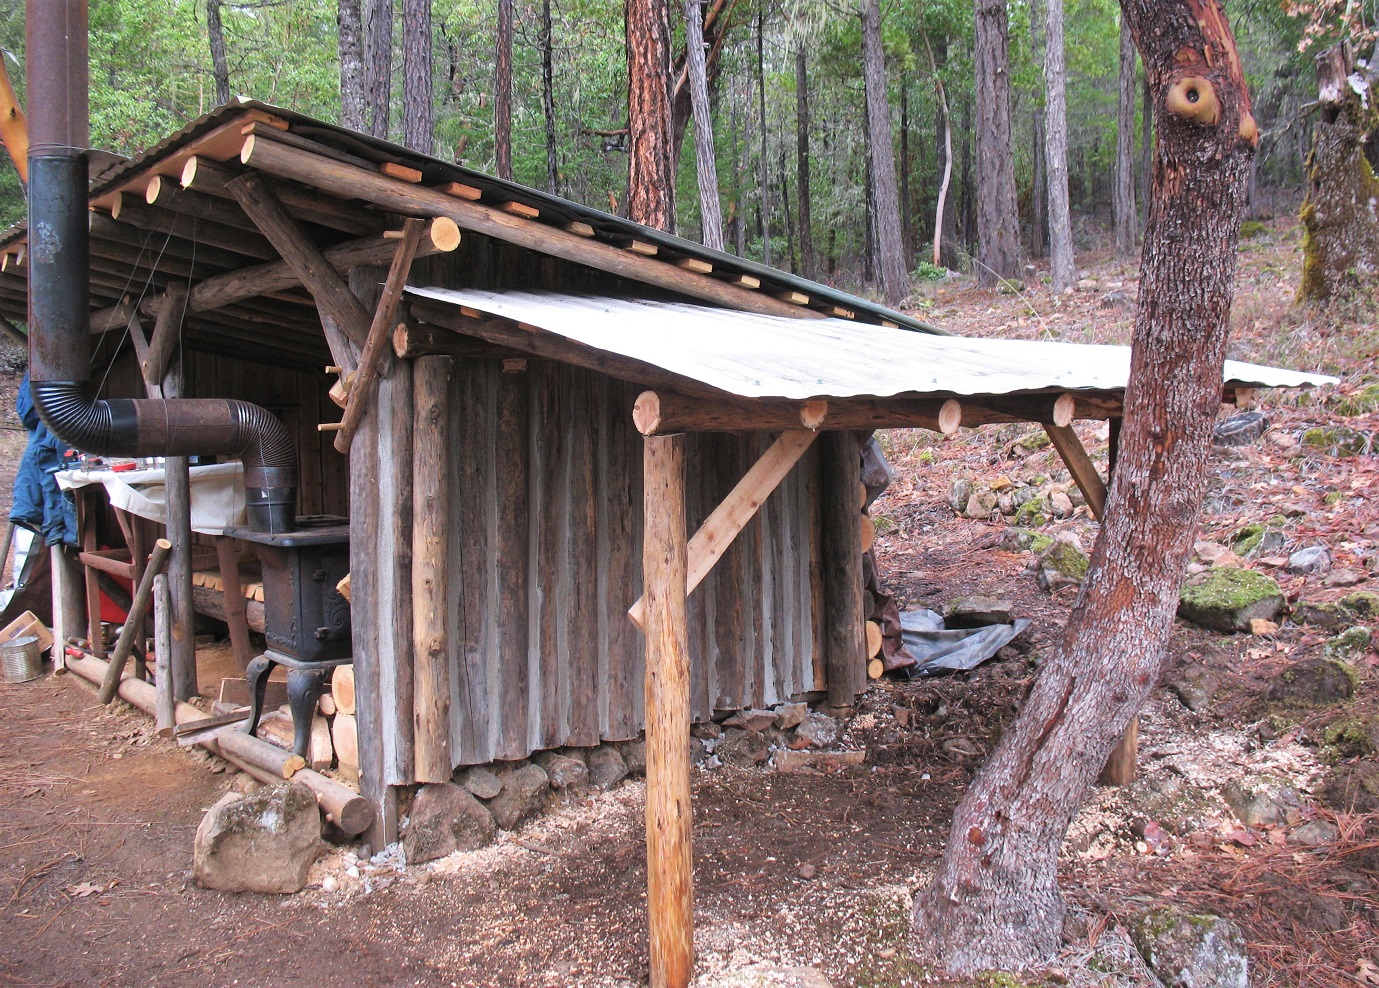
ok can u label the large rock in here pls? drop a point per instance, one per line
(482, 782)
(524, 793)
(1352, 609)
(1191, 950)
(562, 771)
(266, 841)
(815, 731)
(607, 767)
(1314, 560)
(446, 818)
(1240, 430)
(1024, 540)
(959, 493)
(1315, 682)
(978, 612)
(981, 505)
(1262, 801)
(1061, 565)
(1351, 644)
(1229, 599)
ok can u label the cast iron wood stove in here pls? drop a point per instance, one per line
(306, 621)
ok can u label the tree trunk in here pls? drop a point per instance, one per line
(765, 214)
(802, 165)
(706, 165)
(892, 273)
(1056, 151)
(350, 21)
(650, 178)
(994, 902)
(785, 211)
(548, 100)
(1123, 200)
(907, 226)
(417, 117)
(968, 214)
(378, 65)
(1039, 186)
(998, 237)
(1341, 249)
(220, 65)
(943, 226)
(502, 93)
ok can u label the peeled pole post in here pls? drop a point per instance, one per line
(134, 622)
(668, 815)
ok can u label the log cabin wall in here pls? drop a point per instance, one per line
(545, 558)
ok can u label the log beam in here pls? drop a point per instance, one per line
(731, 516)
(412, 340)
(668, 810)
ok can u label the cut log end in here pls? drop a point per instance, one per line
(875, 669)
(813, 413)
(950, 417)
(646, 413)
(873, 640)
(1064, 409)
(153, 190)
(445, 234)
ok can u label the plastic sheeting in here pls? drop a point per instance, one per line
(938, 650)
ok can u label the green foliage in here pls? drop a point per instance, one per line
(927, 271)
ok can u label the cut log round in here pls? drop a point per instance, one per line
(875, 669)
(873, 640)
(868, 532)
(345, 734)
(445, 234)
(342, 688)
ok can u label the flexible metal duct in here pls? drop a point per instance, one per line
(59, 293)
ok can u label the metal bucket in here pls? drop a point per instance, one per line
(21, 660)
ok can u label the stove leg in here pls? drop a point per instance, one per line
(257, 677)
(304, 688)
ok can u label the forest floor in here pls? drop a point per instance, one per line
(807, 871)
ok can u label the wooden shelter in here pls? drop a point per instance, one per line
(505, 508)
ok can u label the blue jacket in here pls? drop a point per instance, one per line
(39, 505)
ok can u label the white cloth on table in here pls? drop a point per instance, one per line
(217, 493)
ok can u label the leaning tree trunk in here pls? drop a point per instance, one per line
(994, 902)
(378, 65)
(1123, 196)
(806, 220)
(220, 64)
(706, 166)
(998, 216)
(650, 187)
(892, 271)
(418, 126)
(1341, 248)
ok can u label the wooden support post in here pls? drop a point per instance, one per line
(69, 602)
(668, 812)
(165, 714)
(177, 487)
(163, 343)
(134, 623)
(227, 558)
(86, 526)
(430, 555)
(738, 508)
(376, 346)
(1080, 465)
(1120, 767)
(845, 651)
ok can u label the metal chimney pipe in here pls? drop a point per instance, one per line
(59, 298)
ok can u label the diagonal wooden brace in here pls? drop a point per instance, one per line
(738, 508)
(380, 333)
(1080, 465)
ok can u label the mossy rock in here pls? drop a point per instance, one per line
(1353, 736)
(1252, 228)
(1024, 540)
(1188, 950)
(1066, 559)
(1034, 513)
(1315, 682)
(1354, 787)
(1262, 801)
(1227, 599)
(1362, 402)
(1352, 609)
(1033, 442)
(1337, 441)
(1349, 644)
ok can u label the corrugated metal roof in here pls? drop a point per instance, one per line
(758, 356)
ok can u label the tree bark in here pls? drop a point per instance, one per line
(548, 100)
(764, 170)
(378, 65)
(1146, 148)
(350, 21)
(706, 165)
(907, 231)
(998, 238)
(994, 902)
(802, 165)
(220, 65)
(1341, 249)
(1123, 200)
(892, 274)
(1039, 192)
(1056, 150)
(418, 125)
(502, 93)
(650, 178)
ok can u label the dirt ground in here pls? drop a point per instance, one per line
(97, 815)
